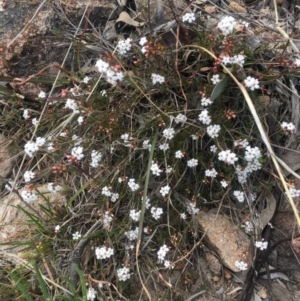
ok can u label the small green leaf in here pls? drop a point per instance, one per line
(219, 88)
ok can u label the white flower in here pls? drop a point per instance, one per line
(246, 24)
(192, 162)
(80, 120)
(156, 78)
(91, 294)
(241, 143)
(288, 128)
(35, 121)
(251, 83)
(135, 215)
(204, 117)
(28, 196)
(28, 176)
(124, 46)
(206, 101)
(123, 274)
(42, 94)
(165, 190)
(76, 235)
(132, 234)
(162, 252)
(146, 144)
(226, 25)
(107, 219)
(77, 152)
(54, 188)
(252, 153)
(103, 93)
(183, 216)
(126, 137)
(227, 156)
(26, 114)
(168, 133)
(155, 169)
(167, 264)
(156, 212)
(40, 141)
(211, 173)
(86, 80)
(191, 208)
(189, 17)
(132, 185)
(262, 245)
(213, 148)
(180, 118)
(102, 66)
(215, 79)
(164, 146)
(248, 226)
(238, 59)
(143, 41)
(31, 148)
(57, 228)
(179, 154)
(96, 158)
(295, 193)
(224, 183)
(226, 60)
(243, 266)
(239, 195)
(114, 197)
(106, 191)
(104, 252)
(72, 105)
(213, 130)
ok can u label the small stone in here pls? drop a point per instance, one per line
(227, 274)
(237, 8)
(262, 293)
(216, 279)
(213, 264)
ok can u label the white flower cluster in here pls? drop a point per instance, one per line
(143, 41)
(76, 235)
(165, 190)
(241, 143)
(161, 254)
(226, 25)
(112, 76)
(224, 183)
(169, 133)
(56, 228)
(156, 212)
(239, 195)
(104, 252)
(180, 118)
(42, 94)
(96, 158)
(80, 120)
(31, 147)
(164, 146)
(34, 121)
(243, 266)
(132, 185)
(72, 105)
(77, 152)
(155, 169)
(28, 176)
(54, 188)
(211, 173)
(213, 148)
(252, 153)
(192, 163)
(288, 128)
(238, 59)
(262, 245)
(204, 117)
(227, 156)
(124, 46)
(135, 215)
(213, 130)
(156, 78)
(297, 62)
(107, 218)
(189, 17)
(91, 294)
(295, 193)
(206, 102)
(26, 114)
(28, 196)
(179, 154)
(132, 234)
(123, 274)
(191, 208)
(126, 137)
(248, 226)
(251, 83)
(77, 140)
(147, 144)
